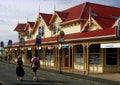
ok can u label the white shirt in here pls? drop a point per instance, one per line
(33, 65)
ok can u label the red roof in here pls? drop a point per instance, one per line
(49, 39)
(31, 24)
(82, 11)
(62, 15)
(46, 17)
(74, 12)
(93, 34)
(20, 27)
(105, 22)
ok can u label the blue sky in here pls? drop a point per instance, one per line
(13, 11)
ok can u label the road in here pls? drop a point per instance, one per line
(8, 77)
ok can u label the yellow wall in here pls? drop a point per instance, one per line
(72, 29)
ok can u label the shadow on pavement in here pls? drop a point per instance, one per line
(38, 82)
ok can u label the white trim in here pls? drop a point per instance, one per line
(92, 37)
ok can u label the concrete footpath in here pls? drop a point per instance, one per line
(106, 78)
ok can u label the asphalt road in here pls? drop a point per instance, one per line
(8, 77)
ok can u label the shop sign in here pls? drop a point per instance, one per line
(118, 29)
(29, 48)
(39, 48)
(50, 47)
(15, 48)
(38, 39)
(22, 41)
(65, 46)
(1, 44)
(9, 42)
(110, 45)
(61, 35)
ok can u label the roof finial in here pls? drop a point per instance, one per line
(39, 9)
(18, 21)
(89, 15)
(39, 14)
(54, 7)
(27, 19)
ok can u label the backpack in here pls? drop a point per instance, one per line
(36, 61)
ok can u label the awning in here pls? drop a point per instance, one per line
(110, 45)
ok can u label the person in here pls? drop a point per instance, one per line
(19, 68)
(35, 65)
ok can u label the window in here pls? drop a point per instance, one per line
(115, 17)
(94, 54)
(28, 34)
(55, 28)
(19, 35)
(111, 56)
(79, 54)
(41, 31)
(93, 14)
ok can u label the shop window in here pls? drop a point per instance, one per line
(16, 53)
(49, 55)
(79, 54)
(29, 54)
(111, 56)
(94, 54)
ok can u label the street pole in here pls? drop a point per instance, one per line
(60, 58)
(60, 40)
(60, 65)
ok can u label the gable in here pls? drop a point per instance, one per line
(55, 18)
(91, 25)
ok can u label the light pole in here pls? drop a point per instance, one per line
(38, 41)
(9, 45)
(21, 43)
(61, 35)
(2, 49)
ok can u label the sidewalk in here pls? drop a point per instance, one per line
(105, 78)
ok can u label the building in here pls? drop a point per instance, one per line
(84, 38)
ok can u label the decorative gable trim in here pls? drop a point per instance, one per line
(115, 24)
(88, 23)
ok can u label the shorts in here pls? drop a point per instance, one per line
(34, 69)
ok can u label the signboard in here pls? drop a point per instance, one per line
(118, 29)
(22, 41)
(38, 39)
(110, 45)
(1, 44)
(29, 48)
(9, 42)
(61, 35)
(50, 47)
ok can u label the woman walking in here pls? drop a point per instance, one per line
(19, 69)
(35, 65)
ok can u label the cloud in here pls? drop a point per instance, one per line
(14, 10)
